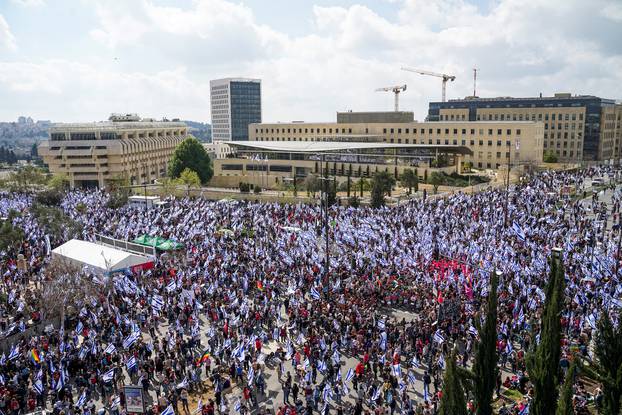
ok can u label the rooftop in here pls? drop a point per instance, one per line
(335, 146)
(556, 97)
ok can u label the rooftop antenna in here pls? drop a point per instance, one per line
(474, 82)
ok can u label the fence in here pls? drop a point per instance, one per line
(125, 245)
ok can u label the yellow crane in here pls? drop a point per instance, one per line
(396, 90)
(443, 76)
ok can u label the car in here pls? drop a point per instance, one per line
(598, 182)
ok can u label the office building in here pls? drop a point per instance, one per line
(125, 146)
(235, 103)
(360, 148)
(576, 127)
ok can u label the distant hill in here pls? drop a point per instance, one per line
(202, 131)
(21, 135)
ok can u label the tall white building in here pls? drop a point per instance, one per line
(235, 103)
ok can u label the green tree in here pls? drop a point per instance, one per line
(191, 154)
(453, 401)
(550, 157)
(410, 180)
(607, 369)
(59, 182)
(189, 178)
(55, 223)
(10, 236)
(27, 177)
(485, 364)
(312, 184)
(564, 407)
(543, 360)
(436, 179)
(381, 185)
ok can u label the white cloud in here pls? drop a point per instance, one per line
(169, 54)
(7, 40)
(29, 3)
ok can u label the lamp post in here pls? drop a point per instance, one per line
(324, 197)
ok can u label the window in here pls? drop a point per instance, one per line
(498, 143)
(464, 131)
(472, 131)
(399, 130)
(518, 131)
(499, 131)
(490, 131)
(455, 131)
(391, 130)
(472, 142)
(508, 132)
(384, 131)
(489, 143)
(446, 130)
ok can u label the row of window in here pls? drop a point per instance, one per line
(385, 131)
(514, 117)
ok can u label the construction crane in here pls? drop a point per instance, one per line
(396, 90)
(439, 75)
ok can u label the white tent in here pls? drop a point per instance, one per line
(100, 258)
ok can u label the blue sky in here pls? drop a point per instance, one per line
(79, 60)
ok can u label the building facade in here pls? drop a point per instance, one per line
(576, 128)
(125, 146)
(493, 143)
(235, 103)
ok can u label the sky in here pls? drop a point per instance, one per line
(80, 60)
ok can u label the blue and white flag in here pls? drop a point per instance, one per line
(376, 394)
(14, 354)
(183, 384)
(60, 384)
(38, 387)
(116, 401)
(397, 371)
(518, 231)
(508, 347)
(238, 406)
(168, 411)
(411, 378)
(157, 302)
(525, 410)
(345, 389)
(322, 367)
(438, 337)
(441, 362)
(250, 376)
(314, 294)
(130, 340)
(131, 363)
(473, 331)
(381, 324)
(110, 349)
(79, 327)
(350, 375)
(327, 394)
(108, 376)
(415, 361)
(81, 400)
(171, 286)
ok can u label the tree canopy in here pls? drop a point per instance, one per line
(190, 154)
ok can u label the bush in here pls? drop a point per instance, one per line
(257, 190)
(245, 187)
(49, 197)
(550, 157)
(117, 200)
(81, 207)
(354, 202)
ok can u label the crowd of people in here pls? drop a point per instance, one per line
(248, 312)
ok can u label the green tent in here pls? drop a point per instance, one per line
(158, 243)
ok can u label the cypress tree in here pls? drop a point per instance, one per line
(564, 406)
(485, 364)
(543, 361)
(607, 369)
(453, 401)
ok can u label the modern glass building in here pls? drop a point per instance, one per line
(235, 103)
(576, 127)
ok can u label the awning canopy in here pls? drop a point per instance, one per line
(158, 242)
(99, 258)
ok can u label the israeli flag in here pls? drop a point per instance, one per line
(411, 378)
(116, 401)
(350, 375)
(171, 286)
(237, 406)
(130, 340)
(251, 375)
(110, 349)
(336, 358)
(79, 327)
(168, 411)
(61, 381)
(518, 231)
(345, 389)
(322, 367)
(328, 393)
(314, 294)
(525, 410)
(308, 377)
(38, 387)
(438, 337)
(14, 354)
(376, 394)
(157, 302)
(473, 331)
(415, 362)
(381, 359)
(108, 376)
(381, 324)
(508, 347)
(183, 384)
(81, 400)
(397, 371)
(441, 362)
(131, 363)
